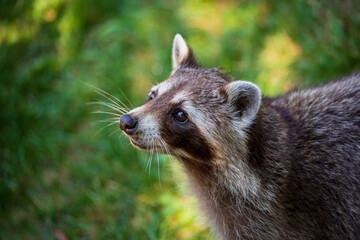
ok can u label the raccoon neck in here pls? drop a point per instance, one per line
(248, 180)
(268, 142)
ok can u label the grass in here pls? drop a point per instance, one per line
(60, 178)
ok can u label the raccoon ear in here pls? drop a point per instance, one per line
(244, 97)
(181, 53)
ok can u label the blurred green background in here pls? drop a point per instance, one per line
(60, 178)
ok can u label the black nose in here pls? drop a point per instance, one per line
(128, 124)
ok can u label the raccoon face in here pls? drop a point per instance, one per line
(194, 112)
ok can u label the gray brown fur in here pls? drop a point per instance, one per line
(291, 171)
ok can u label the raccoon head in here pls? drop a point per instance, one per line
(197, 113)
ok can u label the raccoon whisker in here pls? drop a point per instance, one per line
(115, 122)
(162, 147)
(122, 94)
(108, 121)
(112, 119)
(106, 95)
(101, 102)
(111, 113)
(105, 121)
(112, 106)
(168, 153)
(160, 144)
(117, 106)
(108, 125)
(151, 156)
(163, 144)
(121, 111)
(125, 97)
(118, 129)
(166, 150)
(147, 164)
(102, 92)
(158, 163)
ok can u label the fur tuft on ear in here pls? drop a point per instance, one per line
(181, 53)
(244, 97)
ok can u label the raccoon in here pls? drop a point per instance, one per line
(262, 168)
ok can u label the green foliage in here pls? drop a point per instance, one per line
(59, 177)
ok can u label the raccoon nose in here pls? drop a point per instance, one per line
(128, 124)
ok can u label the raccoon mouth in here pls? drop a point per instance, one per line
(142, 147)
(136, 144)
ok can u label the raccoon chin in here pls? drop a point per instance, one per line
(137, 145)
(155, 148)
(142, 147)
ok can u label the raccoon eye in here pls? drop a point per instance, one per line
(180, 116)
(151, 96)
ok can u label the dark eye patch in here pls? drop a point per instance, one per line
(185, 136)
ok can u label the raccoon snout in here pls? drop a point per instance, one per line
(128, 124)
